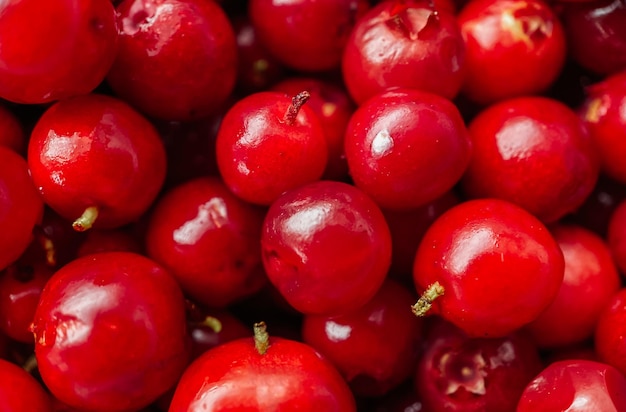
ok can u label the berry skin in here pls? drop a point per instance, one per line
(532, 151)
(412, 44)
(262, 374)
(326, 247)
(54, 50)
(487, 266)
(96, 161)
(269, 143)
(110, 332)
(397, 141)
(21, 207)
(20, 392)
(177, 59)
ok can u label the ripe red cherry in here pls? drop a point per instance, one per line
(596, 34)
(397, 141)
(110, 332)
(306, 35)
(604, 114)
(532, 151)
(376, 346)
(12, 135)
(269, 143)
(616, 235)
(575, 386)
(460, 373)
(590, 280)
(209, 240)
(264, 373)
(333, 107)
(95, 160)
(610, 333)
(487, 266)
(20, 288)
(177, 59)
(21, 207)
(326, 247)
(20, 392)
(513, 48)
(413, 44)
(65, 50)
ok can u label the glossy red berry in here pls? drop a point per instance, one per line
(333, 107)
(306, 35)
(576, 386)
(604, 114)
(610, 333)
(20, 392)
(265, 373)
(21, 207)
(269, 143)
(11, 131)
(64, 49)
(110, 332)
(460, 373)
(532, 151)
(177, 59)
(20, 288)
(96, 161)
(397, 141)
(616, 235)
(590, 280)
(513, 48)
(376, 346)
(596, 34)
(412, 44)
(209, 240)
(487, 266)
(326, 247)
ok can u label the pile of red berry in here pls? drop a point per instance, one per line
(312, 205)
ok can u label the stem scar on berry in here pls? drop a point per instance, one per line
(261, 338)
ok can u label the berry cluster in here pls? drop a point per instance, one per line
(312, 205)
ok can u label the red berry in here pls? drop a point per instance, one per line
(326, 247)
(576, 386)
(20, 288)
(110, 332)
(532, 151)
(21, 207)
(604, 114)
(209, 240)
(20, 392)
(269, 143)
(513, 48)
(177, 58)
(616, 235)
(265, 373)
(460, 373)
(404, 43)
(95, 160)
(590, 280)
(306, 35)
(54, 50)
(596, 34)
(610, 333)
(333, 107)
(12, 134)
(397, 141)
(376, 346)
(487, 266)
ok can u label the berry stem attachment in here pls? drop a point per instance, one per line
(425, 302)
(297, 102)
(86, 220)
(261, 338)
(213, 323)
